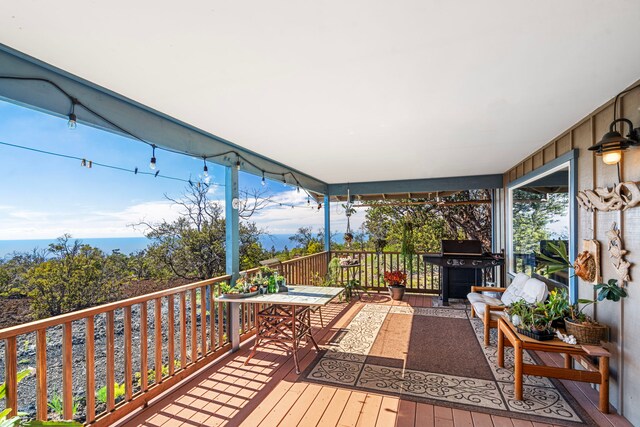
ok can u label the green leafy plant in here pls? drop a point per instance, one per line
(118, 392)
(606, 291)
(151, 373)
(21, 375)
(555, 264)
(5, 421)
(350, 287)
(56, 405)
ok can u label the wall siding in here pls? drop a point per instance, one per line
(622, 318)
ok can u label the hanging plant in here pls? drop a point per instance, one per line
(348, 211)
(408, 249)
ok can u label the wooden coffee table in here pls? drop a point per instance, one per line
(598, 374)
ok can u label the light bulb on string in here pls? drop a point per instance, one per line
(73, 119)
(205, 170)
(238, 165)
(308, 201)
(152, 163)
(298, 189)
(263, 181)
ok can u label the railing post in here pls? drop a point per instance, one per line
(232, 223)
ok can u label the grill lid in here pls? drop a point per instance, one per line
(461, 247)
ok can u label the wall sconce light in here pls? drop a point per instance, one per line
(613, 143)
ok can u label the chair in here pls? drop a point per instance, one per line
(489, 309)
(276, 264)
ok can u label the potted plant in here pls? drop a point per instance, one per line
(532, 320)
(396, 281)
(584, 328)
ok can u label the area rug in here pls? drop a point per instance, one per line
(435, 355)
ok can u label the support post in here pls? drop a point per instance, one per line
(327, 224)
(232, 224)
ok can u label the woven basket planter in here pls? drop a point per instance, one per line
(586, 334)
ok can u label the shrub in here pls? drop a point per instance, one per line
(76, 277)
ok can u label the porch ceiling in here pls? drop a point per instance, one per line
(350, 91)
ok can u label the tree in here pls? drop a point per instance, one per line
(13, 272)
(75, 277)
(431, 222)
(193, 246)
(532, 214)
(307, 241)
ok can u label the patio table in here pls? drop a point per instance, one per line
(286, 321)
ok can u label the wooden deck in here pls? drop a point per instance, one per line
(269, 393)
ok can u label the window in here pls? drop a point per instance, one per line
(540, 218)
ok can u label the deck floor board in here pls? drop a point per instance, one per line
(268, 392)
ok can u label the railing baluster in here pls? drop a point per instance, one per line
(203, 318)
(41, 374)
(90, 371)
(128, 350)
(67, 367)
(171, 334)
(11, 375)
(144, 366)
(183, 330)
(157, 314)
(212, 319)
(220, 323)
(131, 400)
(110, 360)
(194, 327)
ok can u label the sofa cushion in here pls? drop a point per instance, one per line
(481, 301)
(531, 290)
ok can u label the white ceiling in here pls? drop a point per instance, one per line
(350, 91)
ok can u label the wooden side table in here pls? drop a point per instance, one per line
(508, 336)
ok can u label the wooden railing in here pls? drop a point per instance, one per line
(187, 330)
(423, 278)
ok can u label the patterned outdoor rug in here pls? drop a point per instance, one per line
(435, 355)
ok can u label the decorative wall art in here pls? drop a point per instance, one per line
(587, 263)
(617, 253)
(623, 196)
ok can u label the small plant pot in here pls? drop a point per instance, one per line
(396, 292)
(537, 335)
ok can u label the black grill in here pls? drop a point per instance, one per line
(463, 264)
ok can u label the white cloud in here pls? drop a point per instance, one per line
(82, 222)
(86, 222)
(277, 219)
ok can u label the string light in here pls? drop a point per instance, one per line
(136, 171)
(73, 119)
(205, 170)
(72, 124)
(308, 201)
(152, 163)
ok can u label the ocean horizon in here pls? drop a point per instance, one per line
(125, 245)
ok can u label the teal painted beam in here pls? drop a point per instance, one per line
(232, 220)
(151, 125)
(327, 224)
(232, 246)
(426, 185)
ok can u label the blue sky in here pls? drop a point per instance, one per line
(43, 196)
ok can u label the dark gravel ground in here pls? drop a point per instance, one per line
(27, 354)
